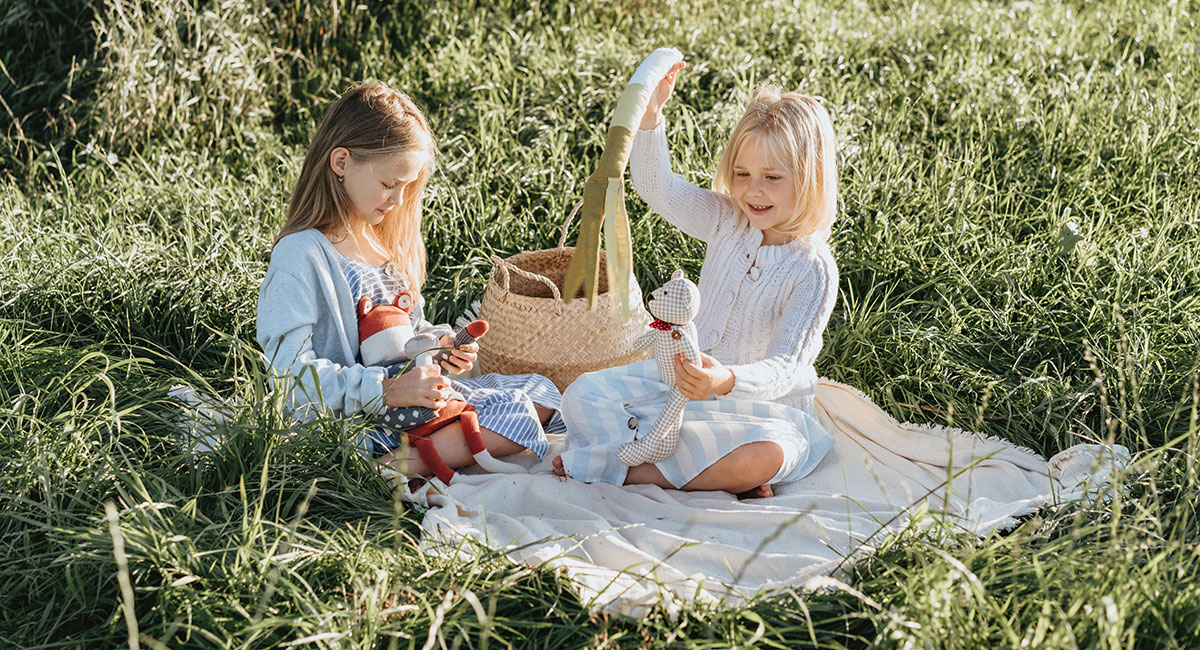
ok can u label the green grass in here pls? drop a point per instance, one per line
(1017, 247)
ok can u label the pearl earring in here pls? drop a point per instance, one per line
(341, 178)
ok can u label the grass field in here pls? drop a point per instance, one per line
(1017, 244)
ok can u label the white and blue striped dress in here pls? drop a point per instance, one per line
(504, 403)
(606, 409)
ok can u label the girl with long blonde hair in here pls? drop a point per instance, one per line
(767, 288)
(352, 241)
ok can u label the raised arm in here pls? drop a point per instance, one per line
(797, 338)
(693, 210)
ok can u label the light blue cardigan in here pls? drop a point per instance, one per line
(308, 328)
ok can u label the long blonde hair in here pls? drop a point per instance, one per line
(371, 120)
(797, 130)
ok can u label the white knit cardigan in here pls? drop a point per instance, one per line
(764, 323)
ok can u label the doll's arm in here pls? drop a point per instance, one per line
(690, 350)
(645, 340)
(465, 336)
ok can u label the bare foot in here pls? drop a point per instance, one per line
(559, 470)
(760, 492)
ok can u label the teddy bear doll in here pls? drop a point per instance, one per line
(674, 306)
(386, 338)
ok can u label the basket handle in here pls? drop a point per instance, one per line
(506, 267)
(562, 239)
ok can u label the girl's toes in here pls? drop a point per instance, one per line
(760, 492)
(559, 470)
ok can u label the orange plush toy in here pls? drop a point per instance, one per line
(420, 349)
(386, 338)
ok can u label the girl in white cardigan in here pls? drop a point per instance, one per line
(767, 289)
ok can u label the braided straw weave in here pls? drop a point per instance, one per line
(532, 330)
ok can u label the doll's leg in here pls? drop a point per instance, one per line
(597, 421)
(451, 445)
(662, 438)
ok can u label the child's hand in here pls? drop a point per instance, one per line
(704, 381)
(421, 386)
(660, 96)
(461, 359)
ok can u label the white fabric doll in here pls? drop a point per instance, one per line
(674, 306)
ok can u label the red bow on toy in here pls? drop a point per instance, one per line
(661, 325)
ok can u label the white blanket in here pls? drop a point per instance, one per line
(630, 548)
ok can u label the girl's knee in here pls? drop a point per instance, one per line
(759, 462)
(744, 468)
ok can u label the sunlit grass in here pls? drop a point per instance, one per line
(1017, 248)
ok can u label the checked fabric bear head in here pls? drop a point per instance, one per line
(676, 302)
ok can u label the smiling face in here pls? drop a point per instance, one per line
(779, 168)
(375, 184)
(763, 188)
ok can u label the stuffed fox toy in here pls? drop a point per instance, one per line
(386, 338)
(385, 330)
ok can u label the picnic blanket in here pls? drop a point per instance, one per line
(627, 549)
(630, 548)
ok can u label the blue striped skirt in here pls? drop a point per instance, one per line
(599, 419)
(505, 405)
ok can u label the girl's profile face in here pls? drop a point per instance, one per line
(376, 185)
(763, 188)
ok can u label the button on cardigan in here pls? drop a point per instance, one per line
(765, 325)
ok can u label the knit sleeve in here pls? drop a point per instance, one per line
(797, 338)
(423, 326)
(288, 310)
(695, 211)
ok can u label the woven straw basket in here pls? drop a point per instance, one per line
(532, 330)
